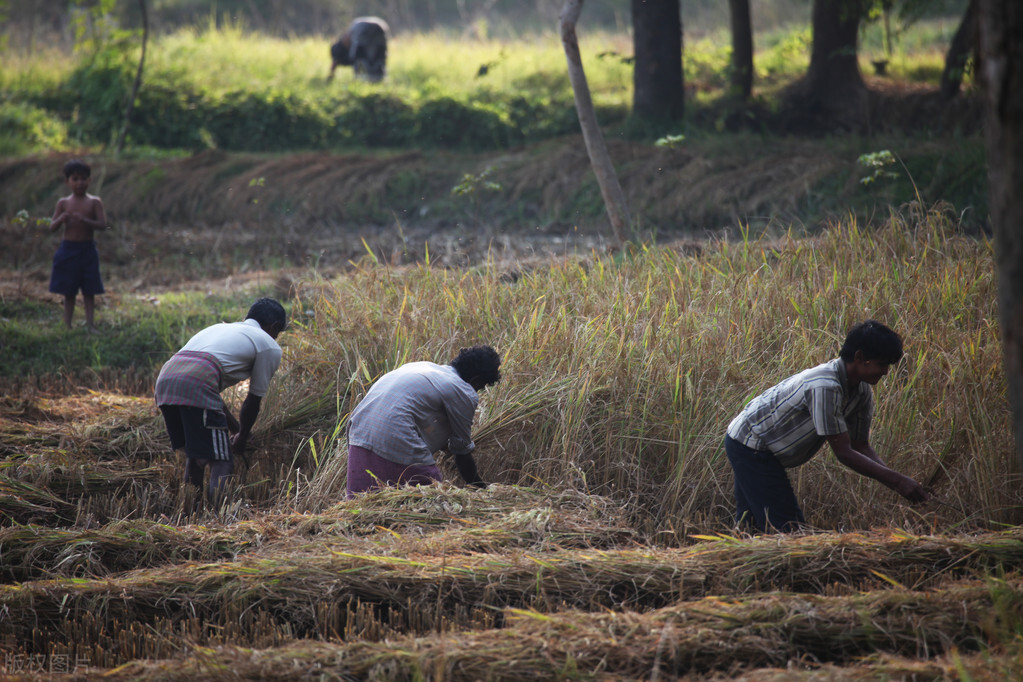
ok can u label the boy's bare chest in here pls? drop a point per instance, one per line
(85, 206)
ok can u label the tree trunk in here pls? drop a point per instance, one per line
(963, 43)
(657, 78)
(1000, 23)
(834, 87)
(138, 81)
(742, 48)
(607, 179)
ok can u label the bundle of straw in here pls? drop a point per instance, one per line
(708, 636)
(293, 585)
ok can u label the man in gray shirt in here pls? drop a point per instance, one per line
(787, 424)
(414, 411)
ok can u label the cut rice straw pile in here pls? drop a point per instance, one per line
(316, 575)
(709, 635)
(468, 520)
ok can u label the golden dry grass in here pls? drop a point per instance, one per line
(436, 560)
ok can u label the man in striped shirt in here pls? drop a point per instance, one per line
(787, 424)
(414, 411)
(189, 386)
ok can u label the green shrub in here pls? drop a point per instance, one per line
(375, 120)
(270, 121)
(533, 118)
(95, 94)
(26, 127)
(167, 116)
(447, 122)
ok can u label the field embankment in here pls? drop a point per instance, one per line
(321, 203)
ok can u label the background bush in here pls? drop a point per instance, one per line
(26, 127)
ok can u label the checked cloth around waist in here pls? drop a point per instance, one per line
(190, 378)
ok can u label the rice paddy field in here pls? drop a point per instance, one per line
(604, 547)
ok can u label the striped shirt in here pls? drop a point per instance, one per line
(414, 411)
(793, 419)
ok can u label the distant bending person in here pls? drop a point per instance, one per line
(363, 47)
(787, 424)
(76, 262)
(189, 386)
(414, 411)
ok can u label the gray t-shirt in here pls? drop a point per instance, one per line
(414, 411)
(793, 419)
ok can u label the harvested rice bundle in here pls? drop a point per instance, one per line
(821, 562)
(72, 478)
(295, 585)
(455, 520)
(547, 517)
(30, 552)
(21, 502)
(712, 635)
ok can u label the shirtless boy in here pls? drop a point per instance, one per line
(76, 263)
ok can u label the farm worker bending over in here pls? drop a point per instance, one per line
(414, 411)
(363, 47)
(786, 425)
(188, 390)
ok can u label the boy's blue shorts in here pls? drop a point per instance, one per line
(76, 265)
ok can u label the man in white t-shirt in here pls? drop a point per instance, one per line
(189, 386)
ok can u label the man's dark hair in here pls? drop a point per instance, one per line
(268, 312)
(479, 362)
(874, 340)
(76, 167)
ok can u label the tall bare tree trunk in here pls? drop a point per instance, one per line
(834, 88)
(1000, 23)
(742, 48)
(658, 93)
(138, 81)
(959, 53)
(607, 179)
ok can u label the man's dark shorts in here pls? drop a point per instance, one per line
(202, 433)
(76, 265)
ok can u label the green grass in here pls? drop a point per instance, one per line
(234, 89)
(138, 333)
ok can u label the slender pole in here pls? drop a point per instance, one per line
(138, 81)
(600, 160)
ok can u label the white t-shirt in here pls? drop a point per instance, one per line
(243, 350)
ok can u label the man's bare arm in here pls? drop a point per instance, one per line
(246, 419)
(873, 467)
